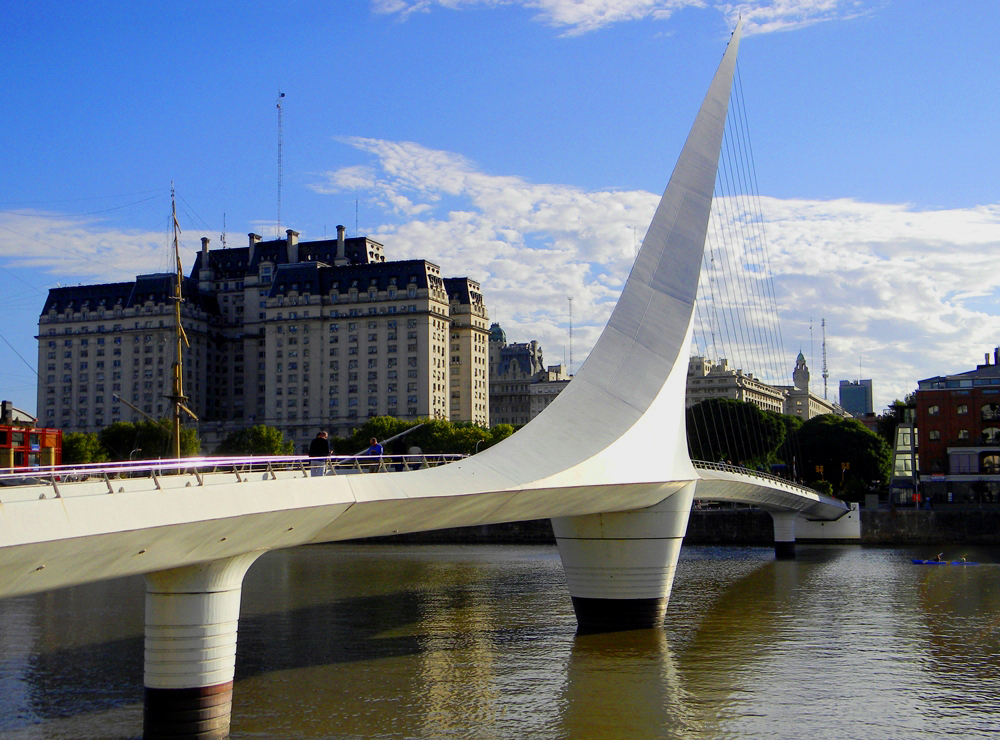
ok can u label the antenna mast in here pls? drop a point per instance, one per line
(571, 335)
(281, 141)
(826, 372)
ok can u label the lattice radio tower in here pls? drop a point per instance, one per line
(826, 372)
(571, 335)
(281, 141)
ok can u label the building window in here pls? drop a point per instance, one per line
(990, 463)
(934, 434)
(962, 409)
(963, 433)
(932, 410)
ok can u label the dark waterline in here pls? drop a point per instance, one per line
(346, 641)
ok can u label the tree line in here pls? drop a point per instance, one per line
(148, 440)
(832, 454)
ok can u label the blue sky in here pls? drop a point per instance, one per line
(523, 143)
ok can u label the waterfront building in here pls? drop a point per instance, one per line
(707, 380)
(24, 444)
(856, 397)
(520, 384)
(296, 335)
(958, 422)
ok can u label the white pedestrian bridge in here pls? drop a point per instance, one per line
(607, 461)
(76, 524)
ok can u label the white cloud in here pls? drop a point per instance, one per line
(581, 16)
(788, 15)
(907, 292)
(80, 247)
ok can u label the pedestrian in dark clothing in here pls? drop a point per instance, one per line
(319, 448)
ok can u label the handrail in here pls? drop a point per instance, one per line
(730, 468)
(52, 475)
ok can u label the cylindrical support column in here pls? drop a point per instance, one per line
(192, 615)
(784, 534)
(620, 566)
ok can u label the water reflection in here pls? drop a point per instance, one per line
(625, 685)
(480, 642)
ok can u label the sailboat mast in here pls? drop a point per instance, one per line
(177, 398)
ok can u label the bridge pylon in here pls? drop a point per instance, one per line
(620, 566)
(192, 615)
(784, 534)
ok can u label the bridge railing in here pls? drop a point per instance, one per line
(729, 468)
(51, 478)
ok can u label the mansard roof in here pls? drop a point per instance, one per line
(465, 290)
(316, 277)
(158, 287)
(230, 263)
(106, 295)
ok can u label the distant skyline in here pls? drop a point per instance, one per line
(524, 144)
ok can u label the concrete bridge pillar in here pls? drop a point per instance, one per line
(191, 619)
(620, 566)
(784, 534)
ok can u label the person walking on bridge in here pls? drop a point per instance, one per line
(374, 453)
(319, 449)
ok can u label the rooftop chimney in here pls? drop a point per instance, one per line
(204, 247)
(293, 245)
(341, 256)
(254, 239)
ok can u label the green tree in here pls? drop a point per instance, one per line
(434, 436)
(832, 442)
(257, 440)
(80, 448)
(737, 431)
(145, 440)
(822, 486)
(498, 433)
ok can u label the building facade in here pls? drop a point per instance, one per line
(520, 385)
(958, 433)
(706, 380)
(25, 444)
(296, 335)
(856, 397)
(800, 401)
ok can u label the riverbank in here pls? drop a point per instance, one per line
(754, 527)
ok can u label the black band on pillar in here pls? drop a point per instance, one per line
(193, 714)
(618, 615)
(784, 550)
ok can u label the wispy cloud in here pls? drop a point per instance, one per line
(908, 293)
(582, 16)
(75, 248)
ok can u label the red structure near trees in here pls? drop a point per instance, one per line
(22, 444)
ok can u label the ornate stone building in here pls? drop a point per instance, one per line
(707, 380)
(297, 335)
(520, 383)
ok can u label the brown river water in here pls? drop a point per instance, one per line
(452, 641)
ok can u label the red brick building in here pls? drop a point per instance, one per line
(958, 422)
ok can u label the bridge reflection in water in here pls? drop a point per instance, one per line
(413, 641)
